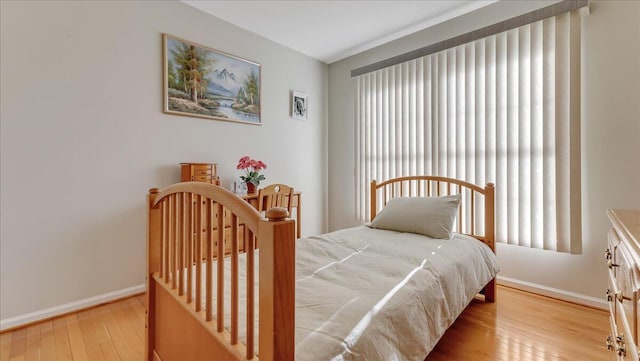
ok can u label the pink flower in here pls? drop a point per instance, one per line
(244, 163)
(251, 169)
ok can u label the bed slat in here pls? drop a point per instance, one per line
(234, 279)
(198, 258)
(249, 241)
(181, 226)
(189, 237)
(473, 212)
(165, 245)
(460, 219)
(220, 257)
(209, 262)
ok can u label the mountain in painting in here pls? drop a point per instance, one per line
(224, 75)
(223, 82)
(217, 89)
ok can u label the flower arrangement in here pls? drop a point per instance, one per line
(252, 170)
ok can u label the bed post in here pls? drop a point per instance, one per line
(374, 203)
(153, 265)
(489, 235)
(277, 286)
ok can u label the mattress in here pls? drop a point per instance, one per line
(370, 294)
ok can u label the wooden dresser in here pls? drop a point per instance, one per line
(199, 172)
(623, 293)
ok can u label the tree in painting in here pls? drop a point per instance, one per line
(248, 97)
(193, 65)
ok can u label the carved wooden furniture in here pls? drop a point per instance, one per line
(623, 294)
(184, 318)
(276, 195)
(199, 172)
(296, 203)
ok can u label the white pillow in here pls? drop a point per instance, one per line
(430, 216)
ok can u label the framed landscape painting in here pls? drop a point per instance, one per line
(203, 82)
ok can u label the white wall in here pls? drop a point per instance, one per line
(83, 138)
(610, 131)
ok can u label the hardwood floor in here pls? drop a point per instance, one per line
(519, 327)
(525, 327)
(113, 331)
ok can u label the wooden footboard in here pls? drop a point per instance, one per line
(192, 228)
(475, 215)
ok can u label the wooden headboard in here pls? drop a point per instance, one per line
(476, 214)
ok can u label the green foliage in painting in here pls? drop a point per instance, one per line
(189, 72)
(172, 78)
(249, 93)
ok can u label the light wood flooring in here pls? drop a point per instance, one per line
(519, 327)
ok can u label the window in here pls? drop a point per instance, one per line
(502, 109)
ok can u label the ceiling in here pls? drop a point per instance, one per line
(333, 30)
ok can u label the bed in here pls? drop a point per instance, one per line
(224, 283)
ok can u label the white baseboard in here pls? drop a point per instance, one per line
(580, 299)
(17, 321)
(112, 296)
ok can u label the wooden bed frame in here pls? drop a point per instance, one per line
(199, 226)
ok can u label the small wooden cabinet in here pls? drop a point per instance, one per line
(623, 292)
(199, 172)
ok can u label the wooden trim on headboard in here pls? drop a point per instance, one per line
(489, 216)
(374, 204)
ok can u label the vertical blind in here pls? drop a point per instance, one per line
(502, 109)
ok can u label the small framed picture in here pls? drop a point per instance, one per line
(299, 105)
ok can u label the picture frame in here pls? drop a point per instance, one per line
(299, 105)
(219, 86)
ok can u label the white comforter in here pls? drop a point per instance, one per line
(375, 295)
